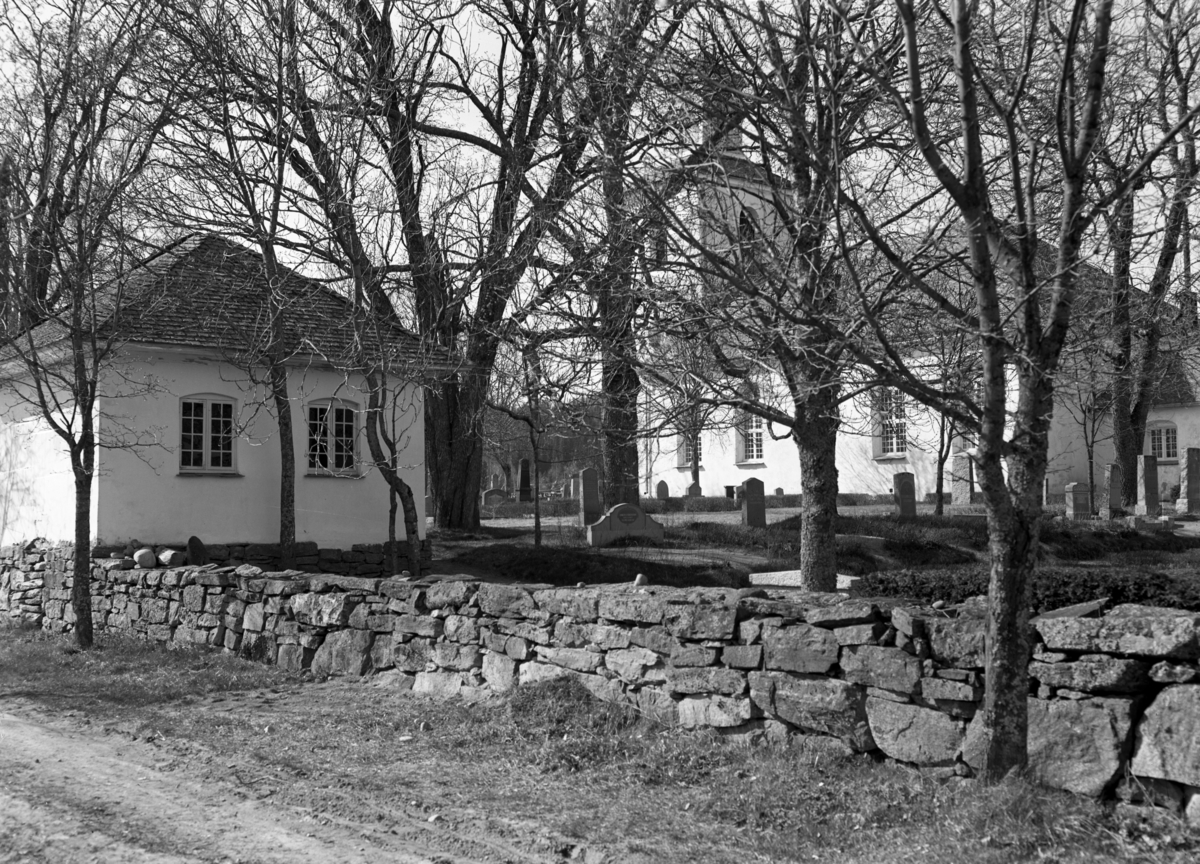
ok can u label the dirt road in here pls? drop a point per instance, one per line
(72, 792)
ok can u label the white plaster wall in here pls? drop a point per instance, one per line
(37, 487)
(143, 495)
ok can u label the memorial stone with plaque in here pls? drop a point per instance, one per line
(904, 491)
(1078, 505)
(492, 497)
(754, 504)
(623, 520)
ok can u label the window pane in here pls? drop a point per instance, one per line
(318, 435)
(220, 452)
(191, 435)
(1156, 443)
(1170, 447)
(893, 425)
(343, 438)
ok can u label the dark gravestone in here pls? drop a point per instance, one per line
(589, 497)
(1189, 481)
(197, 552)
(661, 492)
(1147, 487)
(693, 490)
(731, 492)
(754, 504)
(526, 488)
(779, 491)
(904, 490)
(1110, 495)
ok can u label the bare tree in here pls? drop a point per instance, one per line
(75, 143)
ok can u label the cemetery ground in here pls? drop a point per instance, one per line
(135, 753)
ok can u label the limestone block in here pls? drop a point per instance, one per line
(439, 685)
(323, 610)
(144, 558)
(701, 621)
(344, 652)
(654, 638)
(500, 671)
(876, 666)
(172, 558)
(944, 689)
(693, 655)
(729, 682)
(459, 628)
(1171, 673)
(630, 663)
(718, 711)
(826, 705)
(914, 734)
(1095, 673)
(582, 604)
(742, 656)
(800, 648)
(449, 655)
(956, 641)
(505, 601)
(533, 672)
(419, 625)
(645, 607)
(843, 614)
(412, 656)
(860, 634)
(193, 598)
(525, 630)
(1167, 742)
(453, 593)
(1167, 633)
(579, 659)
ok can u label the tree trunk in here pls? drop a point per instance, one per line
(621, 388)
(81, 574)
(393, 557)
(454, 447)
(287, 466)
(817, 443)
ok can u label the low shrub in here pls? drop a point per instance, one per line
(709, 504)
(1052, 586)
(521, 509)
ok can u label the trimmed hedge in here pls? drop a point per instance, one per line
(1052, 586)
(521, 509)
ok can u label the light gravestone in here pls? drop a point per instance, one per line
(623, 520)
(661, 492)
(754, 504)
(525, 487)
(1147, 487)
(962, 471)
(904, 491)
(1189, 481)
(1110, 495)
(492, 497)
(1078, 506)
(589, 496)
(693, 490)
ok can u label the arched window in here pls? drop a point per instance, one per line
(206, 435)
(332, 436)
(1162, 440)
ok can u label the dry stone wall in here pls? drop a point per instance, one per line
(1114, 705)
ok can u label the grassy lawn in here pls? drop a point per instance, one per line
(548, 758)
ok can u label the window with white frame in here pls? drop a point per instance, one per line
(752, 439)
(686, 446)
(206, 435)
(893, 425)
(1164, 442)
(332, 433)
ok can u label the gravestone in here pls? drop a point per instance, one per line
(962, 479)
(1189, 481)
(1147, 487)
(1078, 506)
(779, 491)
(693, 490)
(623, 520)
(731, 492)
(428, 505)
(1110, 495)
(492, 497)
(754, 504)
(589, 496)
(197, 552)
(495, 481)
(661, 492)
(904, 491)
(525, 488)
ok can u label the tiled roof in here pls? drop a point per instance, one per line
(209, 292)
